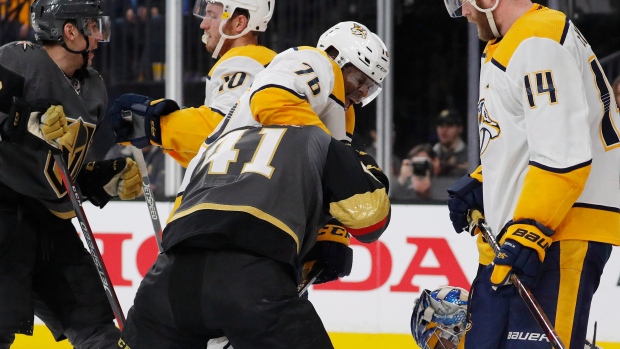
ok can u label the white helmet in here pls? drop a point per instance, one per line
(362, 48)
(260, 14)
(439, 314)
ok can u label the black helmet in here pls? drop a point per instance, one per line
(48, 18)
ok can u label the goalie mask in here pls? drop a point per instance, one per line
(440, 315)
(362, 48)
(260, 14)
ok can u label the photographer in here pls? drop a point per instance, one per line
(416, 172)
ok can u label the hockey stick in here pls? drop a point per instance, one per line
(148, 194)
(524, 292)
(73, 193)
(305, 284)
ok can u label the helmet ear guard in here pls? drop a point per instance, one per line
(440, 315)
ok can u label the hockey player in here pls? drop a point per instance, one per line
(549, 148)
(439, 319)
(232, 249)
(44, 267)
(231, 29)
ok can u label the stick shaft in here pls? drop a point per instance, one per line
(148, 195)
(524, 292)
(72, 192)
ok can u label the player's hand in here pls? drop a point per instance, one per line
(135, 119)
(44, 119)
(523, 247)
(331, 253)
(465, 195)
(102, 180)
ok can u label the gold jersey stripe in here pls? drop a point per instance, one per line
(277, 106)
(600, 225)
(258, 53)
(240, 208)
(572, 255)
(538, 21)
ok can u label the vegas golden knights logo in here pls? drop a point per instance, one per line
(488, 128)
(359, 31)
(73, 152)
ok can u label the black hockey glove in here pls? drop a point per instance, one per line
(331, 253)
(373, 168)
(465, 195)
(102, 180)
(44, 119)
(135, 119)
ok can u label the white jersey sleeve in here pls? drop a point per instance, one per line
(301, 86)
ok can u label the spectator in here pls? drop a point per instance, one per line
(15, 21)
(416, 172)
(616, 88)
(450, 149)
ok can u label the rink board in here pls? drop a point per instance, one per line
(373, 305)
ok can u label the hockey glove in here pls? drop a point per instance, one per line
(465, 195)
(523, 247)
(102, 180)
(135, 119)
(331, 253)
(373, 168)
(44, 119)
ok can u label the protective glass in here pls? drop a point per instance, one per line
(455, 7)
(99, 28)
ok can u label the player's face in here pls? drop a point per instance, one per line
(617, 93)
(79, 44)
(211, 24)
(356, 85)
(479, 18)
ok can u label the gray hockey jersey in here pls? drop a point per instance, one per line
(267, 189)
(33, 172)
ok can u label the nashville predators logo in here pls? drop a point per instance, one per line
(359, 31)
(502, 255)
(488, 128)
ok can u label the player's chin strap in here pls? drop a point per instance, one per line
(84, 52)
(223, 38)
(489, 13)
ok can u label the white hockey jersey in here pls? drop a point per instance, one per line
(301, 86)
(185, 130)
(549, 131)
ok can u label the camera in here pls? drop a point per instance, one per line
(420, 165)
